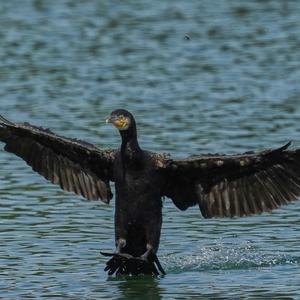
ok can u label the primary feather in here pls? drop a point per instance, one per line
(72, 164)
(235, 185)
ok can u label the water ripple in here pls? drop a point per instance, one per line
(232, 87)
(225, 257)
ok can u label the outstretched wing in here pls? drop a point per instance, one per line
(237, 185)
(75, 165)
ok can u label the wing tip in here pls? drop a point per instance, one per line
(4, 121)
(280, 149)
(287, 145)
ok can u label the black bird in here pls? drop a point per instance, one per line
(221, 185)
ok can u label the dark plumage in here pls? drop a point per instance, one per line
(222, 185)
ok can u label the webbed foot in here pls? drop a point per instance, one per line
(126, 264)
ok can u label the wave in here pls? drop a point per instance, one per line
(224, 257)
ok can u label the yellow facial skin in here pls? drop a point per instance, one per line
(122, 123)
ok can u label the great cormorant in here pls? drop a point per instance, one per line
(221, 185)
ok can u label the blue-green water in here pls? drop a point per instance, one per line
(233, 86)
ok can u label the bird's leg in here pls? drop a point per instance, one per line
(149, 251)
(120, 244)
(152, 230)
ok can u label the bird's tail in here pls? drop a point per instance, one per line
(126, 264)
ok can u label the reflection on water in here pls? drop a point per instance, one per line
(145, 287)
(233, 86)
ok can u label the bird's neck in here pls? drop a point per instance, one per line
(130, 149)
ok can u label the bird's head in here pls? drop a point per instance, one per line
(121, 119)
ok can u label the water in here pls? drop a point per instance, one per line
(233, 86)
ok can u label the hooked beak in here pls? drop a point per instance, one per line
(109, 120)
(121, 123)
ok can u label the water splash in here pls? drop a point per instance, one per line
(226, 256)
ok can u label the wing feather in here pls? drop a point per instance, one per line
(72, 164)
(235, 185)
